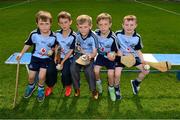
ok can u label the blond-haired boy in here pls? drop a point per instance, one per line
(86, 44)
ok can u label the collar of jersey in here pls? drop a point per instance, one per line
(60, 31)
(89, 35)
(99, 33)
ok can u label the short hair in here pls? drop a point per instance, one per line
(65, 15)
(130, 18)
(44, 16)
(81, 19)
(104, 16)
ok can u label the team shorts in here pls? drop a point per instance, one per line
(101, 60)
(37, 63)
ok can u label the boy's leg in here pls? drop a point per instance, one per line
(143, 72)
(111, 77)
(31, 86)
(97, 69)
(66, 77)
(100, 61)
(117, 75)
(111, 84)
(51, 77)
(75, 73)
(42, 77)
(33, 68)
(135, 83)
(32, 75)
(90, 77)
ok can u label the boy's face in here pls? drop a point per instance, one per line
(104, 26)
(44, 26)
(129, 26)
(84, 28)
(64, 23)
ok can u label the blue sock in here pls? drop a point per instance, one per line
(117, 88)
(137, 82)
(31, 85)
(40, 87)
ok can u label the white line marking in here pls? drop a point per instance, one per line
(169, 11)
(17, 4)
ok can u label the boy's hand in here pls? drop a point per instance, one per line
(19, 56)
(143, 62)
(111, 56)
(62, 63)
(89, 57)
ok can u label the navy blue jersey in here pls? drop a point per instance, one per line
(42, 44)
(87, 44)
(106, 44)
(66, 43)
(129, 44)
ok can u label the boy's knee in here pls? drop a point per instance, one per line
(96, 71)
(31, 78)
(111, 72)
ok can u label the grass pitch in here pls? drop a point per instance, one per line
(159, 95)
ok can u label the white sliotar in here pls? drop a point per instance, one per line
(146, 67)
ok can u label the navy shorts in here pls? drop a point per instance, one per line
(119, 64)
(103, 61)
(37, 63)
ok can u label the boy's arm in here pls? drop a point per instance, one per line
(93, 54)
(95, 46)
(67, 56)
(114, 50)
(72, 47)
(26, 47)
(140, 56)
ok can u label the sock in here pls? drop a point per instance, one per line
(137, 82)
(110, 88)
(31, 85)
(40, 87)
(117, 88)
(98, 82)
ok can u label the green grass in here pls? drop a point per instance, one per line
(159, 95)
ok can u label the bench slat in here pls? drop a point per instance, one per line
(174, 59)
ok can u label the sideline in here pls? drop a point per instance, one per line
(17, 4)
(159, 8)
